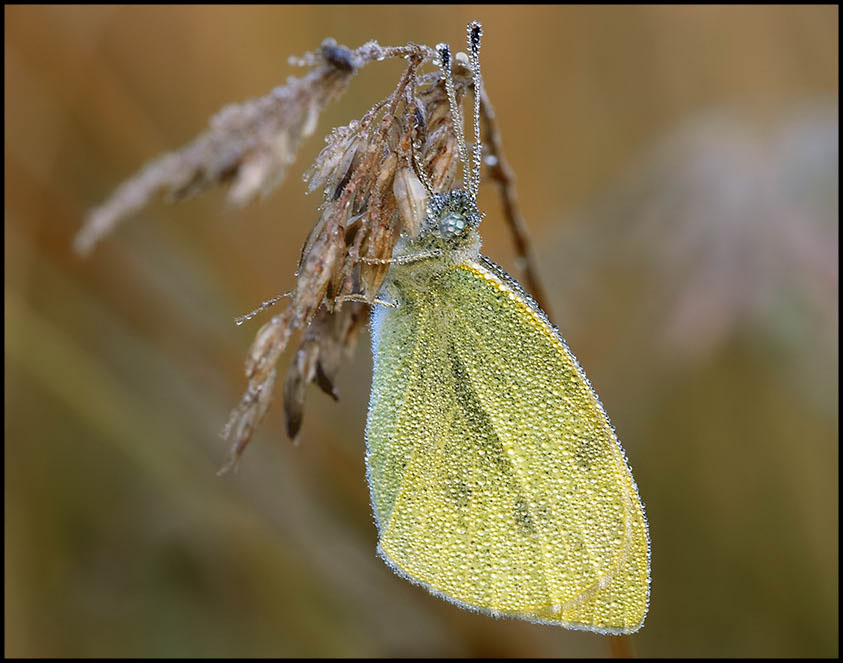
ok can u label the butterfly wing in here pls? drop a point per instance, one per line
(496, 478)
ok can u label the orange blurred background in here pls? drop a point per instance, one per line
(677, 168)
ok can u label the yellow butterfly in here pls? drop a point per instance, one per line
(496, 479)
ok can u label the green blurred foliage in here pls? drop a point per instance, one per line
(678, 170)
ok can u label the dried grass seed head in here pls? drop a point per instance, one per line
(378, 176)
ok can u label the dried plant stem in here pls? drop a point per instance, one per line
(619, 646)
(503, 174)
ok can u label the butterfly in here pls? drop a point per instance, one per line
(496, 479)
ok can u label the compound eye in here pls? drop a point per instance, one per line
(452, 224)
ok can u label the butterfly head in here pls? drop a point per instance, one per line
(451, 215)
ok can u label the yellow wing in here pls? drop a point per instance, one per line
(496, 478)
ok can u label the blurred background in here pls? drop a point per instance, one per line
(677, 168)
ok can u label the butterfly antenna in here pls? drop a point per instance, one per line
(456, 112)
(475, 31)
